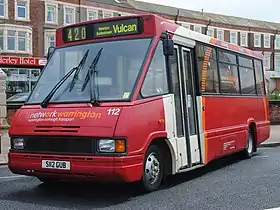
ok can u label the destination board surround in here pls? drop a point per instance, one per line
(105, 29)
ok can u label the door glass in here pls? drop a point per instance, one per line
(190, 93)
(177, 90)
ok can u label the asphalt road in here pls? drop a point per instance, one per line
(229, 183)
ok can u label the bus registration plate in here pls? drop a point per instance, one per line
(63, 165)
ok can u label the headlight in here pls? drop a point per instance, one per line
(111, 146)
(18, 143)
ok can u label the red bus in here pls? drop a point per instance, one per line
(135, 99)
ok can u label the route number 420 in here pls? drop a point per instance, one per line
(114, 111)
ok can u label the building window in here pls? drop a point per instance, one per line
(15, 39)
(243, 39)
(198, 29)
(51, 13)
(220, 34)
(22, 41)
(49, 40)
(3, 8)
(266, 61)
(233, 37)
(277, 42)
(20, 80)
(92, 15)
(257, 40)
(187, 26)
(22, 9)
(266, 39)
(107, 14)
(69, 15)
(1, 39)
(11, 40)
(210, 32)
(277, 62)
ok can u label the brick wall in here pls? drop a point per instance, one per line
(274, 112)
(37, 17)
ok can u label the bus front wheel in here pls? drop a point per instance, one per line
(153, 169)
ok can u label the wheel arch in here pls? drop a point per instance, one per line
(169, 153)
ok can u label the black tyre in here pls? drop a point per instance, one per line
(153, 169)
(249, 151)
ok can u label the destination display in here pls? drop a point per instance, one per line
(103, 29)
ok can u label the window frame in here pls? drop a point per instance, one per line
(254, 72)
(237, 55)
(47, 34)
(92, 10)
(277, 42)
(222, 34)
(198, 27)
(107, 12)
(28, 38)
(27, 10)
(212, 34)
(166, 71)
(277, 55)
(269, 41)
(219, 70)
(236, 37)
(65, 7)
(267, 55)
(5, 10)
(245, 44)
(259, 37)
(55, 5)
(198, 79)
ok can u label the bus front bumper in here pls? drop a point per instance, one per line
(127, 169)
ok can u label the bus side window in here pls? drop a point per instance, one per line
(247, 76)
(155, 82)
(207, 68)
(261, 89)
(228, 73)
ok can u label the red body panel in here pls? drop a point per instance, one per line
(228, 118)
(139, 124)
(97, 168)
(86, 120)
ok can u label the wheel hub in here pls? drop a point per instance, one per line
(152, 168)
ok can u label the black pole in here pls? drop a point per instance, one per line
(79, 10)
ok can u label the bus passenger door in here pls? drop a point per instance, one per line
(179, 122)
(189, 103)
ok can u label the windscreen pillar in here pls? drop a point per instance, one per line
(5, 140)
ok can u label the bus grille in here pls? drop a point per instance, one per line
(60, 145)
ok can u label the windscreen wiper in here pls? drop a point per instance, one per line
(60, 82)
(79, 67)
(91, 77)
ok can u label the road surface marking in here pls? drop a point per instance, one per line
(11, 177)
(260, 156)
(277, 208)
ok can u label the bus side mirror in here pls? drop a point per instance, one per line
(168, 47)
(50, 52)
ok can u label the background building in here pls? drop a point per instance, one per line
(27, 29)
